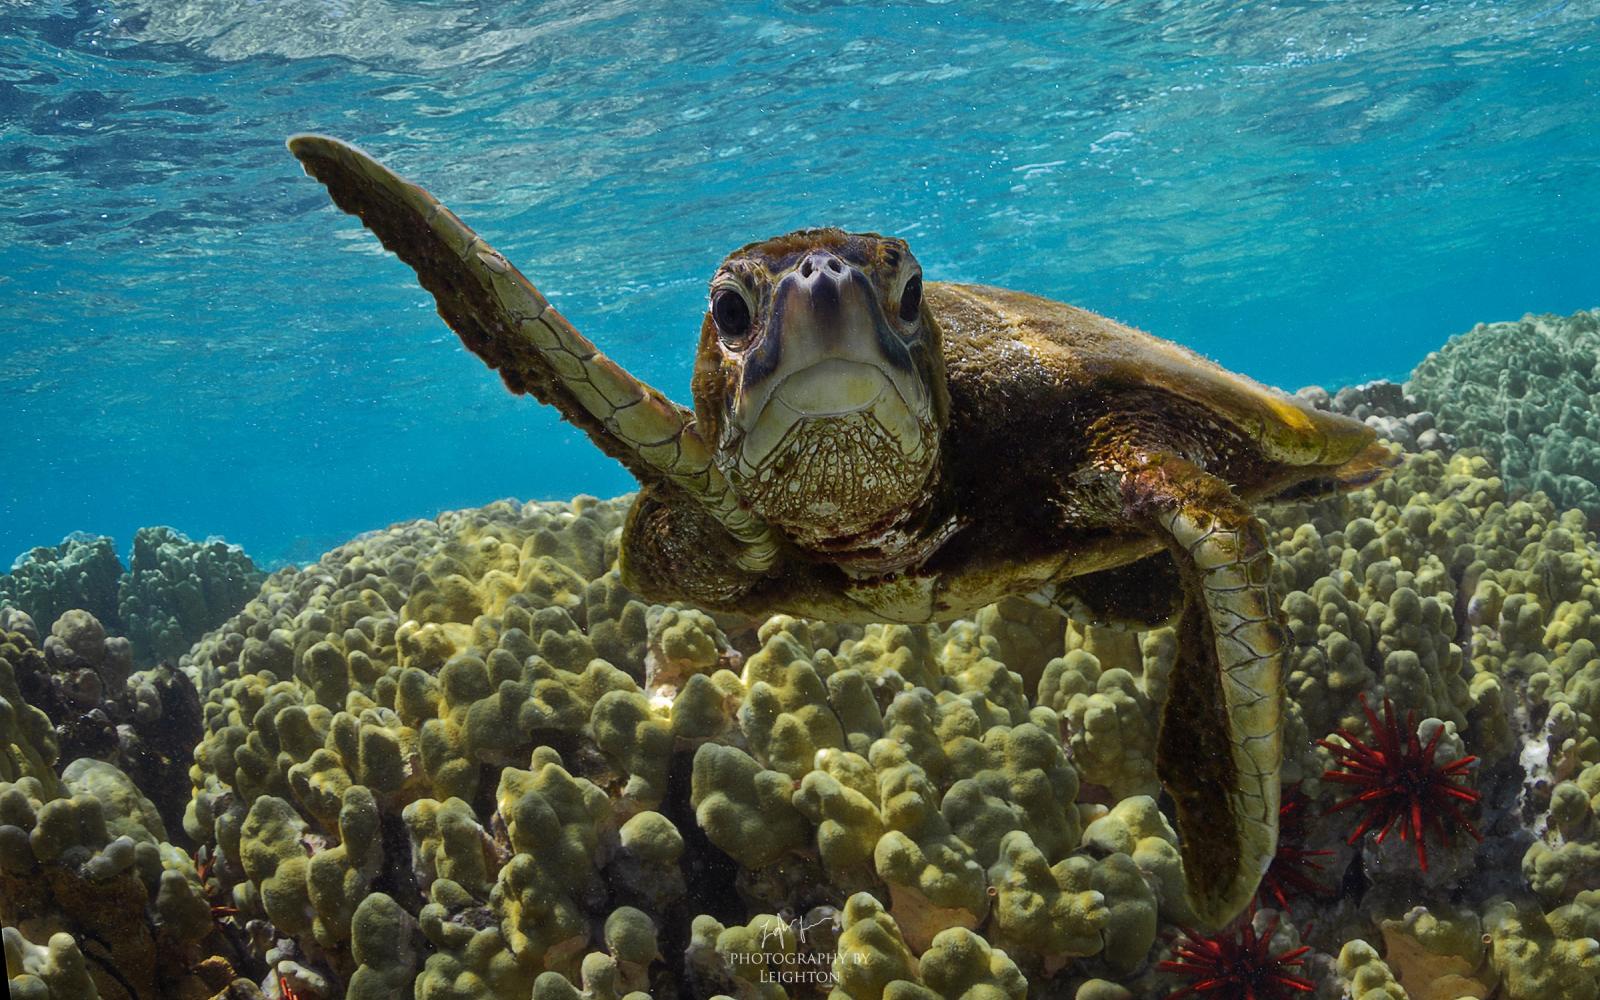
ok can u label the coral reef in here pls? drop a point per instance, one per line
(458, 759)
(1538, 420)
(1387, 408)
(175, 590)
(81, 573)
(145, 722)
(171, 593)
(95, 901)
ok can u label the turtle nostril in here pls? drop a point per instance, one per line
(823, 261)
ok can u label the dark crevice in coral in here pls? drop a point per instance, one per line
(236, 950)
(743, 637)
(795, 885)
(86, 734)
(665, 980)
(1507, 835)
(562, 741)
(1463, 600)
(33, 680)
(106, 964)
(709, 872)
(159, 762)
(483, 797)
(397, 877)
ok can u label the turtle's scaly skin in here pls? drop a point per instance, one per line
(865, 448)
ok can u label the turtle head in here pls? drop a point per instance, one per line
(820, 378)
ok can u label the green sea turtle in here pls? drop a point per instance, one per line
(865, 446)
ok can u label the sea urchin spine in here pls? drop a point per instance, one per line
(1237, 965)
(1401, 783)
(1291, 873)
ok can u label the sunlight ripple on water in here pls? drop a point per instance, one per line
(1319, 193)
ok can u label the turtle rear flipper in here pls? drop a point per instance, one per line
(503, 319)
(1220, 746)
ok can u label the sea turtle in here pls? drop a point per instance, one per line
(866, 446)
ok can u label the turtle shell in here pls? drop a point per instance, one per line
(1088, 349)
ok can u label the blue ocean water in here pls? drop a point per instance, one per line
(1306, 191)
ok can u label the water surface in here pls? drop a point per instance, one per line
(1309, 192)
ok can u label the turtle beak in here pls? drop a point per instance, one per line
(828, 352)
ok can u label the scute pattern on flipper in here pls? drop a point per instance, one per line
(1233, 563)
(503, 318)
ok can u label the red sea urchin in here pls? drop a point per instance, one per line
(1292, 866)
(1401, 783)
(1238, 964)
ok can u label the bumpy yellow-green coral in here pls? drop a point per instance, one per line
(1566, 859)
(276, 861)
(935, 879)
(56, 969)
(962, 966)
(407, 669)
(786, 714)
(637, 741)
(1137, 829)
(1368, 977)
(85, 863)
(683, 642)
(1547, 955)
(447, 841)
(646, 866)
(338, 877)
(1056, 912)
(840, 799)
(1025, 635)
(872, 953)
(28, 746)
(743, 808)
(1436, 953)
(382, 943)
(749, 960)
(1111, 719)
(571, 793)
(553, 823)
(1477, 608)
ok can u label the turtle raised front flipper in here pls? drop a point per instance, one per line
(1220, 744)
(502, 318)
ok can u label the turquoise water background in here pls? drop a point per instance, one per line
(1307, 191)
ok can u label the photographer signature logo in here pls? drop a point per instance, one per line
(803, 965)
(776, 931)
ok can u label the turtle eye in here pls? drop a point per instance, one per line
(911, 299)
(731, 314)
